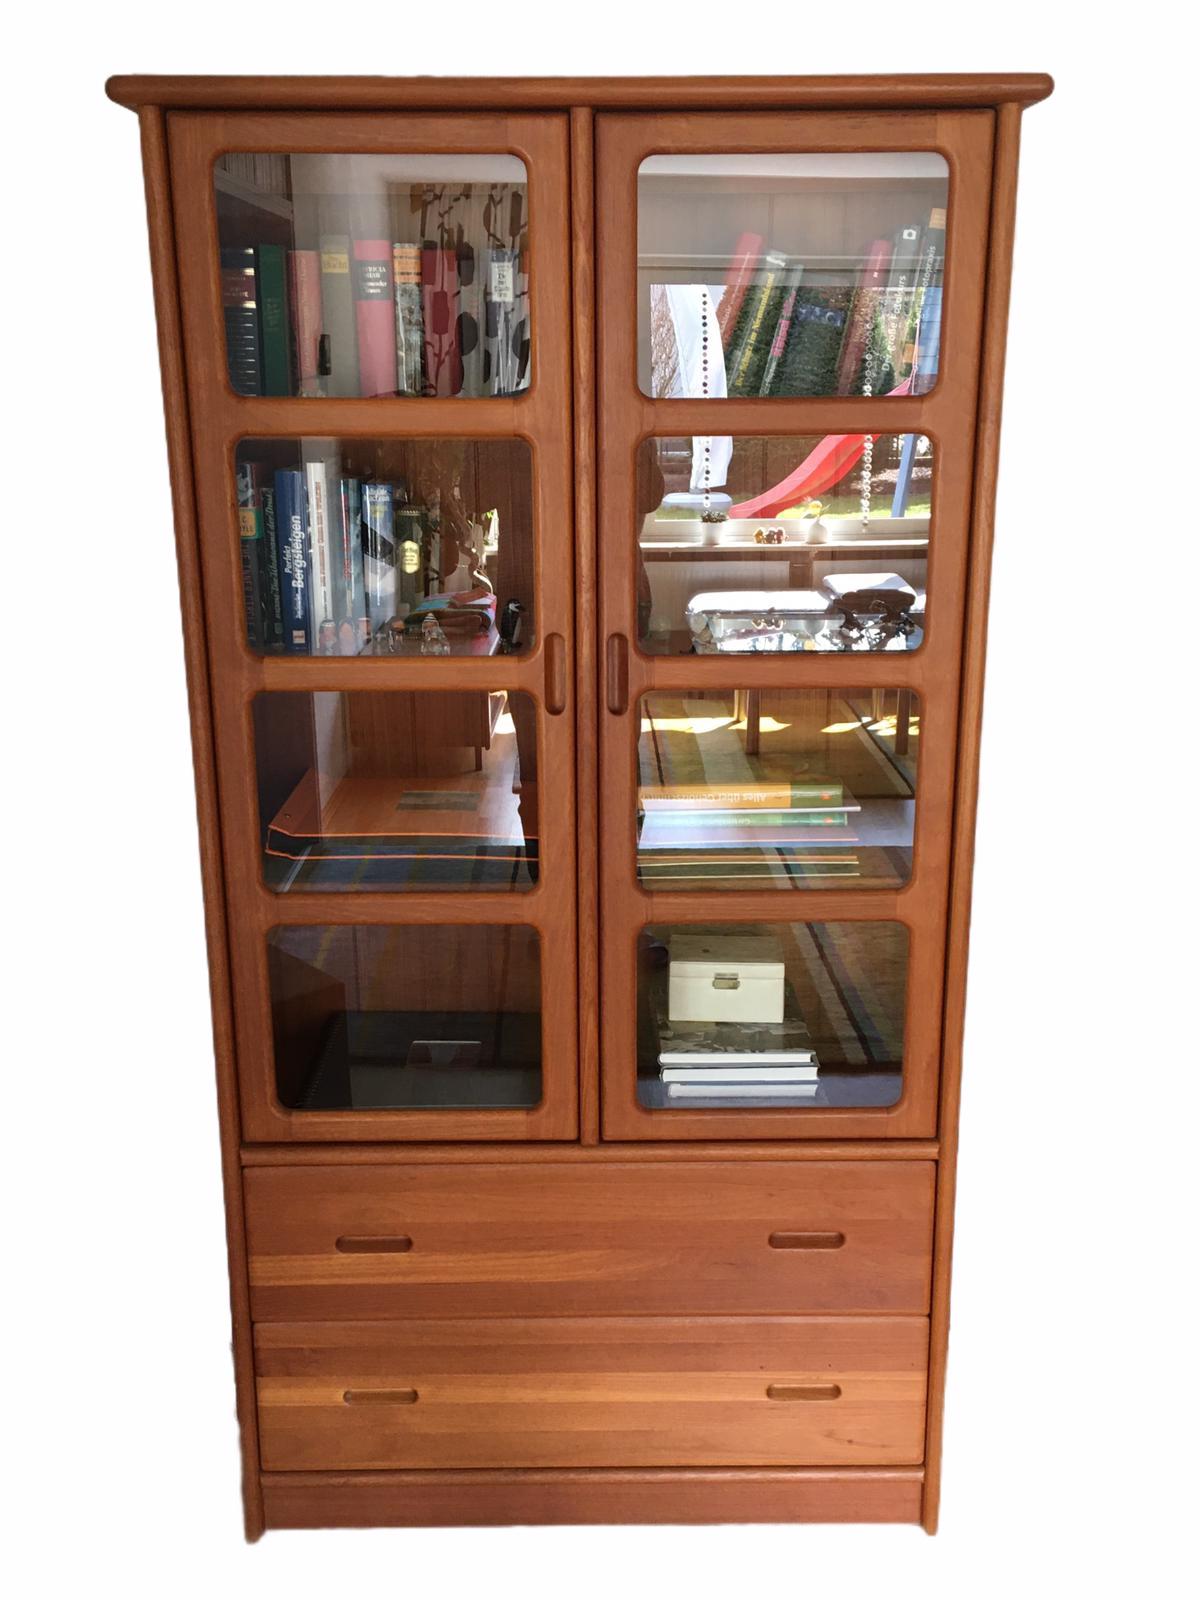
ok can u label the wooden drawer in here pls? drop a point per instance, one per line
(592, 1392)
(614, 1237)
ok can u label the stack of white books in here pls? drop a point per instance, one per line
(715, 1065)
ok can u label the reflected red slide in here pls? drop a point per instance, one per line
(824, 466)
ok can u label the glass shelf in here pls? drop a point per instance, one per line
(777, 789)
(752, 544)
(384, 1018)
(789, 275)
(397, 791)
(766, 1015)
(405, 547)
(375, 275)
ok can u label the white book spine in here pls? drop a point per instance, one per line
(741, 1091)
(319, 526)
(739, 1074)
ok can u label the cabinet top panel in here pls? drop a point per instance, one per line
(881, 92)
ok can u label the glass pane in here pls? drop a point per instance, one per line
(404, 547)
(744, 1015)
(374, 275)
(814, 274)
(777, 789)
(371, 1018)
(751, 544)
(397, 790)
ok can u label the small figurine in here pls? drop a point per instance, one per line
(433, 639)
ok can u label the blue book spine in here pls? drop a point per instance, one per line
(379, 553)
(354, 618)
(295, 587)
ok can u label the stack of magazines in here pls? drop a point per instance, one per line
(716, 1061)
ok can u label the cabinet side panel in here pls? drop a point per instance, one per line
(175, 405)
(987, 446)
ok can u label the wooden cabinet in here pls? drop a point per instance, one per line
(583, 509)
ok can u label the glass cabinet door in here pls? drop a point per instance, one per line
(377, 342)
(788, 324)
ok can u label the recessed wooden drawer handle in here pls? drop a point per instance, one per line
(616, 673)
(806, 1241)
(803, 1391)
(396, 1244)
(556, 674)
(380, 1397)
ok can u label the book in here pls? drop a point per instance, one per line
(768, 1044)
(439, 309)
(727, 1076)
(379, 553)
(339, 331)
(872, 280)
(471, 318)
(239, 305)
(322, 553)
(269, 560)
(817, 791)
(505, 324)
(808, 365)
(410, 328)
(291, 524)
(260, 570)
(756, 817)
(703, 829)
(375, 316)
(353, 620)
(270, 261)
(742, 266)
(741, 1091)
(791, 288)
(756, 327)
(304, 298)
(684, 1066)
(250, 531)
(410, 536)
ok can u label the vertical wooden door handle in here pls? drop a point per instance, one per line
(616, 673)
(556, 674)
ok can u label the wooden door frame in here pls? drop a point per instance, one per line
(625, 418)
(218, 419)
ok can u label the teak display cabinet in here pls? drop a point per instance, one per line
(514, 666)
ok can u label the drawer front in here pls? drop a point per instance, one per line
(706, 1238)
(596, 1392)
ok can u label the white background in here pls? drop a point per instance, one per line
(1070, 1424)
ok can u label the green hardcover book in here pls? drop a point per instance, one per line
(756, 329)
(270, 262)
(819, 793)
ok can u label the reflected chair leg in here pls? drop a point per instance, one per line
(903, 712)
(753, 717)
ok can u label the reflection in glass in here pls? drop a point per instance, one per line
(763, 1015)
(349, 275)
(753, 544)
(405, 547)
(371, 1018)
(766, 274)
(777, 789)
(398, 790)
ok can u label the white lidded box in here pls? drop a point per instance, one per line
(725, 978)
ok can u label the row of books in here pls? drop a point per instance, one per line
(746, 832)
(328, 560)
(788, 330)
(369, 317)
(712, 1062)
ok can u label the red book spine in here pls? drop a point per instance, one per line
(375, 316)
(872, 281)
(304, 292)
(745, 260)
(439, 291)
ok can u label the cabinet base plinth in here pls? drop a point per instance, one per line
(498, 1499)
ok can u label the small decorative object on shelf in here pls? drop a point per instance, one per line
(433, 639)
